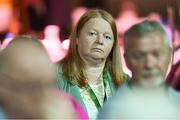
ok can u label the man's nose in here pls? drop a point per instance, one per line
(150, 62)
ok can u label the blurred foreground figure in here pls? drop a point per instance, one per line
(146, 96)
(53, 44)
(28, 89)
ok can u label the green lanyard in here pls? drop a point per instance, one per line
(93, 95)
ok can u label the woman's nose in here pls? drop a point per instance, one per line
(99, 39)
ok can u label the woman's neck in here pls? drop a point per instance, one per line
(93, 74)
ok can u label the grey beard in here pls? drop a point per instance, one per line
(151, 83)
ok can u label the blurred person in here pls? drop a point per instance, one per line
(176, 42)
(155, 16)
(59, 13)
(176, 46)
(75, 15)
(127, 16)
(174, 16)
(65, 44)
(28, 88)
(173, 10)
(37, 15)
(174, 76)
(146, 95)
(6, 14)
(48, 12)
(53, 44)
(91, 71)
(34, 14)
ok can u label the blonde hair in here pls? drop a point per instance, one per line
(72, 64)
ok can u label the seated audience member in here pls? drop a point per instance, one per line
(174, 76)
(77, 13)
(28, 89)
(91, 71)
(127, 16)
(6, 14)
(75, 16)
(146, 95)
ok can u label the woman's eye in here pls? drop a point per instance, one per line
(108, 37)
(92, 33)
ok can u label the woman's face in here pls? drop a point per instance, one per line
(95, 41)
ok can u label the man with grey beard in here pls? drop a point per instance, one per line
(146, 95)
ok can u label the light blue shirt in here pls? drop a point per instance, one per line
(130, 103)
(2, 114)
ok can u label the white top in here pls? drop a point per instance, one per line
(99, 91)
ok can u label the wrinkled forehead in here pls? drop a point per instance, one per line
(98, 24)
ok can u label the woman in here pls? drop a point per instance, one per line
(92, 70)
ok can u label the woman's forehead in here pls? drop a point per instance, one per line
(97, 23)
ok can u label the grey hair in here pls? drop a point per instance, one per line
(142, 29)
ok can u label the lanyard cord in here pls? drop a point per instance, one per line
(93, 95)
